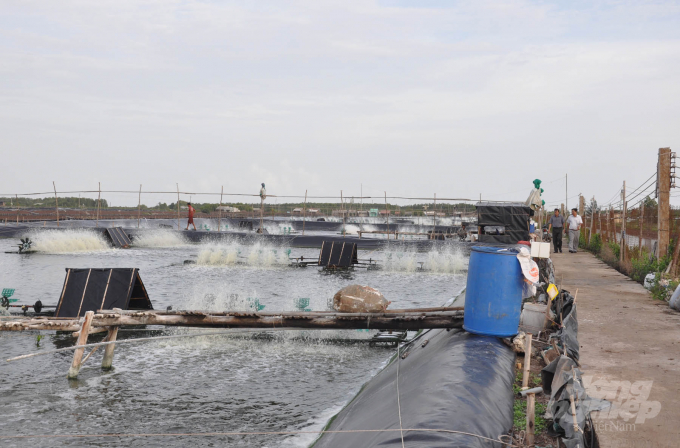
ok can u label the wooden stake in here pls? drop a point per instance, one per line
(531, 419)
(219, 215)
(304, 214)
(342, 210)
(139, 206)
(642, 223)
(527, 361)
(434, 216)
(82, 340)
(56, 201)
(107, 362)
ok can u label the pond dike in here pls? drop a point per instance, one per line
(442, 380)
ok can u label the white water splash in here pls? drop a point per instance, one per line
(67, 241)
(229, 254)
(159, 238)
(446, 260)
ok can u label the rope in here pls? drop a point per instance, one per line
(252, 433)
(401, 429)
(152, 338)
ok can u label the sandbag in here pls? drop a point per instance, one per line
(359, 299)
(675, 299)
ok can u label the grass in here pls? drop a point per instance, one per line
(519, 409)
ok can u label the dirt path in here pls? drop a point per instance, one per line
(630, 353)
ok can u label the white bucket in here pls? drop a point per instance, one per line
(532, 319)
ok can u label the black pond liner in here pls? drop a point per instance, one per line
(457, 381)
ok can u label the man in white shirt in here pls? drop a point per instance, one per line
(574, 224)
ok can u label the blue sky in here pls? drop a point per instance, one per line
(413, 98)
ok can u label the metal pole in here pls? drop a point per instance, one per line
(566, 192)
(388, 217)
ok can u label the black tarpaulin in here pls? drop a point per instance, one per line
(514, 216)
(457, 381)
(336, 254)
(96, 289)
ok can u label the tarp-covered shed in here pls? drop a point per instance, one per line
(97, 289)
(503, 222)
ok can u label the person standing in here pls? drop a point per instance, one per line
(191, 216)
(556, 225)
(574, 223)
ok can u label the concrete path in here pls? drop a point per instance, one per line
(630, 353)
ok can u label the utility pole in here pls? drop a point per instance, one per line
(624, 208)
(664, 188)
(566, 192)
(592, 218)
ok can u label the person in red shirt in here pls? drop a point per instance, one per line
(191, 216)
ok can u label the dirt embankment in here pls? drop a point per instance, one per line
(630, 353)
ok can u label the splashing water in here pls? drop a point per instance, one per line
(66, 241)
(159, 238)
(228, 254)
(440, 261)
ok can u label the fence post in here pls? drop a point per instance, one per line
(624, 211)
(56, 201)
(664, 187)
(178, 208)
(139, 206)
(219, 215)
(99, 202)
(304, 215)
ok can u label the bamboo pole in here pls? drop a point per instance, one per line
(82, 340)
(139, 206)
(99, 202)
(219, 215)
(527, 361)
(178, 208)
(304, 214)
(530, 397)
(56, 201)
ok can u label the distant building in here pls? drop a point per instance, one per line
(312, 211)
(297, 211)
(373, 212)
(227, 209)
(363, 213)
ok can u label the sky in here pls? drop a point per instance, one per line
(453, 98)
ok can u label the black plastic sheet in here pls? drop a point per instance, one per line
(457, 381)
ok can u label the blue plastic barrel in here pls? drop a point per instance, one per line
(493, 298)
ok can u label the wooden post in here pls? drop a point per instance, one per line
(99, 201)
(434, 216)
(139, 206)
(178, 208)
(304, 215)
(527, 361)
(531, 419)
(219, 215)
(388, 217)
(342, 210)
(592, 218)
(642, 223)
(664, 187)
(107, 361)
(82, 340)
(56, 201)
(624, 208)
